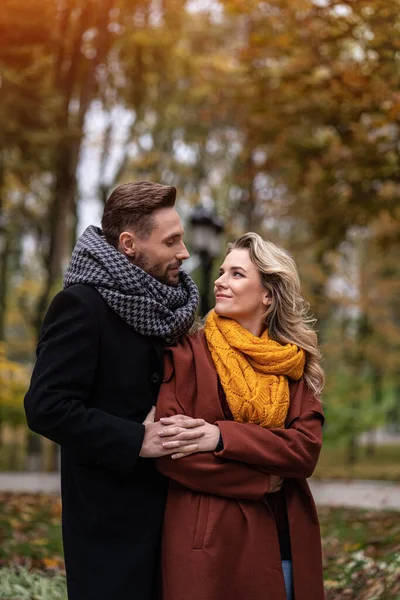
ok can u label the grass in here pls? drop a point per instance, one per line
(361, 554)
(361, 551)
(383, 465)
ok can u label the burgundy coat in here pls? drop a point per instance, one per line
(220, 541)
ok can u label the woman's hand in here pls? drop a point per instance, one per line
(185, 433)
(275, 484)
(207, 443)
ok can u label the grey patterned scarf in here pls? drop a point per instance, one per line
(147, 305)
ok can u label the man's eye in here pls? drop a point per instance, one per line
(170, 243)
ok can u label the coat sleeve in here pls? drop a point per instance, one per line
(290, 452)
(62, 383)
(204, 471)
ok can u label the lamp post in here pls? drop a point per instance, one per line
(206, 229)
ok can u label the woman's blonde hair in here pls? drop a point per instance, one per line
(287, 318)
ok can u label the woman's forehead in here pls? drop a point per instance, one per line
(238, 257)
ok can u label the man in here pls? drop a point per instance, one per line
(98, 372)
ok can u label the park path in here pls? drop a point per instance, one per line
(352, 493)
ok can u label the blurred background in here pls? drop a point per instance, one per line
(280, 117)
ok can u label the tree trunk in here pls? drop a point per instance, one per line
(63, 210)
(377, 392)
(60, 215)
(52, 460)
(352, 447)
(5, 238)
(394, 413)
(4, 249)
(34, 454)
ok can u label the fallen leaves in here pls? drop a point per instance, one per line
(361, 548)
(30, 533)
(361, 554)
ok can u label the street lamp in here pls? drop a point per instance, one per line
(206, 229)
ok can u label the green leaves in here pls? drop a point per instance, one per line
(21, 584)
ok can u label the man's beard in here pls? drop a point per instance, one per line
(144, 263)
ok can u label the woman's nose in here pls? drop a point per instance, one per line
(219, 281)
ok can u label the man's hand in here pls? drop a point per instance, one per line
(185, 431)
(207, 443)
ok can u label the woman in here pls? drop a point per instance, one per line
(253, 374)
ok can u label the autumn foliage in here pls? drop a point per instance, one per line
(285, 113)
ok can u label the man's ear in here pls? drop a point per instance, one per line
(127, 243)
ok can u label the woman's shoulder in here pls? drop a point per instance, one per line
(192, 339)
(303, 400)
(191, 352)
(197, 336)
(191, 343)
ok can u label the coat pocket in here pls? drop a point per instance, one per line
(200, 528)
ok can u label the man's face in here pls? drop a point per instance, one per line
(163, 251)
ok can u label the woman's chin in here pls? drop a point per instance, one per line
(220, 311)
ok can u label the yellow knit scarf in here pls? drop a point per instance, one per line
(253, 371)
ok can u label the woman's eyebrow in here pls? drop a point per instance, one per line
(235, 268)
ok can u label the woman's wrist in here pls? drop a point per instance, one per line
(220, 445)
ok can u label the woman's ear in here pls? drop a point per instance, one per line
(267, 300)
(127, 244)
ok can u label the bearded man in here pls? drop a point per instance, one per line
(96, 380)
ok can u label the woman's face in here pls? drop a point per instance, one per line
(239, 294)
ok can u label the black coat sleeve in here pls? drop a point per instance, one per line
(56, 404)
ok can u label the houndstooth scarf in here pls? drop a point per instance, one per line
(147, 305)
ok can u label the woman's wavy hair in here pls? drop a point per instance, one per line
(287, 318)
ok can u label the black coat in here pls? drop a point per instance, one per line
(94, 382)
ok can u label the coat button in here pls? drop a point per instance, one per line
(155, 377)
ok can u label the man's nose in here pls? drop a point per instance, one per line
(182, 253)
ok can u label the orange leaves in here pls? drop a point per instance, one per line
(30, 531)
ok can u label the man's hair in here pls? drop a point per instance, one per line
(131, 207)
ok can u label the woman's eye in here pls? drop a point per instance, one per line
(237, 273)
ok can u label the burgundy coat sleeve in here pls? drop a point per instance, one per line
(205, 472)
(290, 452)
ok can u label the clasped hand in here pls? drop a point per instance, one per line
(184, 434)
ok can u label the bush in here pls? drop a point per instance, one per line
(21, 584)
(13, 384)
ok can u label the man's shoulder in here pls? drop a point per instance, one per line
(79, 296)
(81, 291)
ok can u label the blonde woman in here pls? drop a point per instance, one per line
(253, 374)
